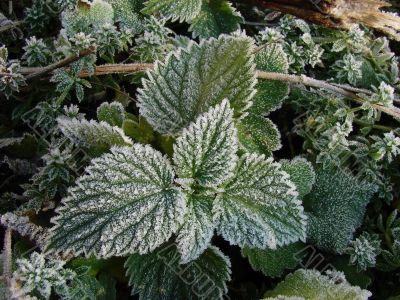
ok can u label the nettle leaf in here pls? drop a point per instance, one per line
(128, 14)
(215, 17)
(336, 207)
(198, 77)
(259, 134)
(182, 10)
(273, 262)
(159, 275)
(113, 113)
(312, 285)
(205, 153)
(99, 135)
(259, 206)
(270, 93)
(198, 227)
(301, 174)
(125, 203)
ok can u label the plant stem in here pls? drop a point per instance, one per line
(37, 72)
(7, 259)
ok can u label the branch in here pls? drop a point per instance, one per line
(345, 90)
(7, 258)
(337, 13)
(117, 68)
(37, 72)
(339, 89)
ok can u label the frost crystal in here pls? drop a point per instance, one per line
(193, 79)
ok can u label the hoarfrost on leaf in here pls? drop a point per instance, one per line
(182, 10)
(92, 133)
(193, 79)
(206, 151)
(312, 285)
(259, 206)
(159, 275)
(126, 203)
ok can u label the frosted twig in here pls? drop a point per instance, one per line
(7, 258)
(37, 72)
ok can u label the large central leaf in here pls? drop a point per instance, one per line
(192, 80)
(259, 207)
(126, 203)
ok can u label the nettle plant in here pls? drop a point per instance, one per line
(134, 200)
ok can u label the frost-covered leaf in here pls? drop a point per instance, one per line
(125, 203)
(215, 17)
(259, 134)
(99, 135)
(273, 262)
(205, 153)
(301, 174)
(364, 250)
(336, 209)
(127, 13)
(270, 94)
(182, 10)
(159, 276)
(198, 227)
(113, 113)
(193, 79)
(259, 206)
(312, 285)
(86, 16)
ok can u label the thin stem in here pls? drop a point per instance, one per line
(7, 257)
(116, 69)
(11, 25)
(61, 63)
(344, 90)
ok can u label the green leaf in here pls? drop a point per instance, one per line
(273, 262)
(270, 93)
(108, 283)
(127, 13)
(205, 153)
(139, 130)
(337, 205)
(215, 17)
(192, 80)
(113, 113)
(312, 285)
(198, 227)
(159, 275)
(259, 206)
(301, 174)
(85, 286)
(182, 10)
(99, 135)
(259, 134)
(125, 203)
